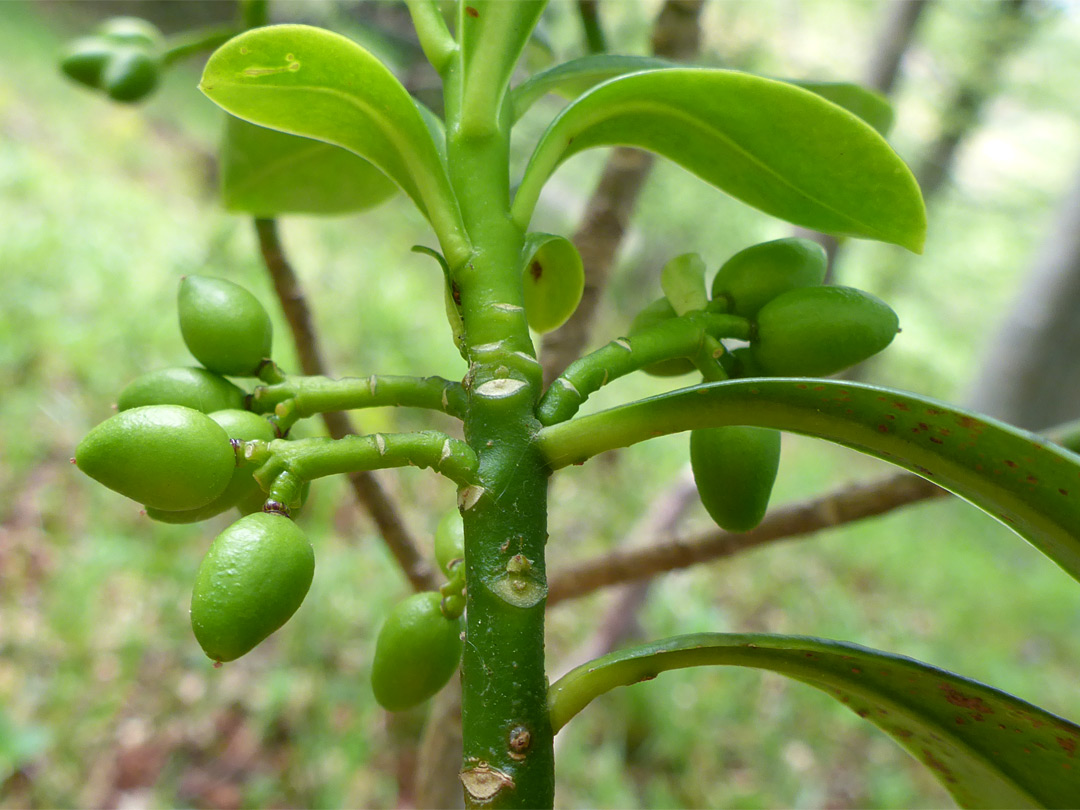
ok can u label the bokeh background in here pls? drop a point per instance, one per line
(105, 698)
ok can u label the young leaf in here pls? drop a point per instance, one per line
(986, 747)
(266, 173)
(493, 34)
(314, 83)
(1023, 480)
(683, 282)
(554, 280)
(772, 145)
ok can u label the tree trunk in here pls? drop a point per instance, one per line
(1031, 373)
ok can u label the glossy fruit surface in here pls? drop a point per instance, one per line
(251, 581)
(224, 326)
(84, 59)
(754, 276)
(188, 386)
(165, 456)
(416, 653)
(242, 425)
(130, 74)
(450, 542)
(131, 31)
(815, 331)
(657, 312)
(734, 470)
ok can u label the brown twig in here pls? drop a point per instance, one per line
(366, 486)
(675, 36)
(846, 505)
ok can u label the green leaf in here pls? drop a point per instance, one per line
(493, 34)
(1027, 483)
(554, 280)
(772, 145)
(987, 748)
(313, 83)
(266, 173)
(683, 282)
(571, 79)
(869, 105)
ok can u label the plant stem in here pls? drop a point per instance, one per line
(309, 459)
(508, 753)
(435, 39)
(366, 487)
(686, 336)
(307, 396)
(193, 42)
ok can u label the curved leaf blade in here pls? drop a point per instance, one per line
(310, 82)
(777, 147)
(554, 279)
(267, 173)
(869, 105)
(1023, 480)
(571, 79)
(986, 747)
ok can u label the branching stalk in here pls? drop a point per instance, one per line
(301, 397)
(686, 336)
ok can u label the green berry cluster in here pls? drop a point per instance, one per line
(173, 446)
(122, 59)
(799, 328)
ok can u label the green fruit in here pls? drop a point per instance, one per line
(191, 387)
(245, 426)
(251, 581)
(130, 75)
(655, 313)
(165, 456)
(224, 325)
(734, 469)
(450, 542)
(815, 331)
(416, 653)
(753, 277)
(84, 60)
(132, 31)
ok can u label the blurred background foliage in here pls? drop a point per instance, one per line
(105, 699)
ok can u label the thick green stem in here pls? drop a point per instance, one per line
(691, 335)
(508, 752)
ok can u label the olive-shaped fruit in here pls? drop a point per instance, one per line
(416, 653)
(251, 581)
(754, 276)
(450, 542)
(130, 74)
(191, 387)
(734, 469)
(84, 60)
(224, 325)
(815, 331)
(132, 31)
(657, 312)
(165, 456)
(245, 426)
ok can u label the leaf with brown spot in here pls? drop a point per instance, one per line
(1027, 497)
(985, 765)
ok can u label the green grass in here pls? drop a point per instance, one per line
(103, 208)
